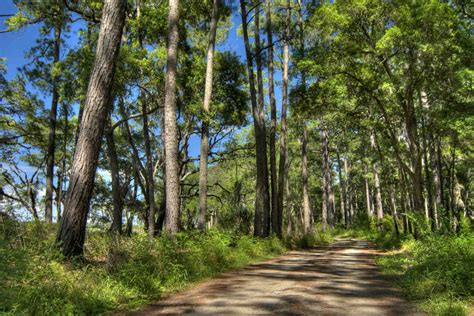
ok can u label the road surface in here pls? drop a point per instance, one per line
(338, 279)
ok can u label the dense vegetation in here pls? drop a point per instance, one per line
(119, 273)
(144, 142)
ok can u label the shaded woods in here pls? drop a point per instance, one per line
(149, 144)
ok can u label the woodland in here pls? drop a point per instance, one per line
(146, 145)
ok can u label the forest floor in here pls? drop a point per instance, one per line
(337, 279)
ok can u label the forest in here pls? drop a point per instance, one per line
(148, 146)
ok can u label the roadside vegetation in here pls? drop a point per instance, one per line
(116, 272)
(434, 271)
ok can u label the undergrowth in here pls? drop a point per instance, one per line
(436, 271)
(118, 273)
(315, 237)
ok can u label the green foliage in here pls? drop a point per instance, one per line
(118, 273)
(311, 239)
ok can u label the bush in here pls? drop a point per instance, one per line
(118, 273)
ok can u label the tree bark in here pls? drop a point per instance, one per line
(62, 175)
(403, 201)
(205, 123)
(439, 168)
(393, 201)
(52, 130)
(261, 194)
(325, 179)
(171, 129)
(307, 212)
(428, 180)
(72, 232)
(368, 200)
(117, 199)
(349, 191)
(436, 178)
(378, 193)
(261, 113)
(304, 174)
(342, 196)
(415, 154)
(283, 163)
(273, 122)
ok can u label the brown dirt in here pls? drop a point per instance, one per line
(339, 279)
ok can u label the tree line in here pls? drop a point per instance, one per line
(374, 123)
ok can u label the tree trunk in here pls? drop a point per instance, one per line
(436, 178)
(327, 187)
(62, 175)
(342, 195)
(403, 200)
(304, 174)
(261, 194)
(368, 200)
(428, 180)
(205, 122)
(271, 94)
(332, 204)
(439, 168)
(72, 233)
(415, 154)
(171, 129)
(48, 213)
(378, 193)
(261, 113)
(349, 191)
(393, 201)
(307, 212)
(325, 179)
(283, 163)
(117, 199)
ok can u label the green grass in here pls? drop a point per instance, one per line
(436, 271)
(119, 273)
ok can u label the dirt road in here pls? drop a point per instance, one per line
(340, 279)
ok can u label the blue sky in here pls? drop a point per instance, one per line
(14, 45)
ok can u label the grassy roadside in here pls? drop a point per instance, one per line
(436, 271)
(118, 274)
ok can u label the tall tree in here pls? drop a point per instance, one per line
(283, 163)
(71, 235)
(375, 166)
(261, 192)
(52, 127)
(170, 124)
(117, 199)
(205, 123)
(304, 173)
(273, 122)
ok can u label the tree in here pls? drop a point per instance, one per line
(72, 232)
(283, 163)
(170, 128)
(262, 195)
(52, 124)
(273, 123)
(205, 124)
